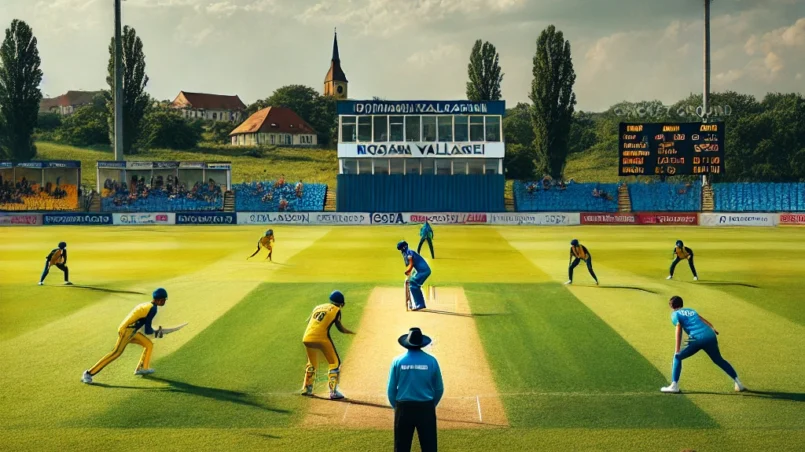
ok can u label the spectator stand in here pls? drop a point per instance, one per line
(551, 196)
(666, 196)
(40, 185)
(279, 196)
(759, 197)
(137, 186)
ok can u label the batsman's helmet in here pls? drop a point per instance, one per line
(62, 245)
(402, 245)
(679, 244)
(337, 298)
(269, 232)
(574, 242)
(160, 293)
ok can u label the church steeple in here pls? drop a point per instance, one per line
(335, 82)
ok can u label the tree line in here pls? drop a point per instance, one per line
(765, 139)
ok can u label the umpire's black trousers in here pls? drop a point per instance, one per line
(415, 415)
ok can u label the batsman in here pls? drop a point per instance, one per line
(317, 337)
(129, 333)
(415, 262)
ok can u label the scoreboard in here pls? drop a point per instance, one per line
(671, 149)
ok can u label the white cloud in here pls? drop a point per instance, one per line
(434, 55)
(729, 76)
(773, 63)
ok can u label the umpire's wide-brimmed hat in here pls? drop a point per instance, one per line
(414, 340)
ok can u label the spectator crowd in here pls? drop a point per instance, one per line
(26, 195)
(170, 193)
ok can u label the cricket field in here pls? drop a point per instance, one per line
(528, 363)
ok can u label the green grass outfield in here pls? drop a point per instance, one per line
(577, 368)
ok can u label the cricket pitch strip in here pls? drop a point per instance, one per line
(470, 400)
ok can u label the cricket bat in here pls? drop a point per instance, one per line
(407, 296)
(174, 329)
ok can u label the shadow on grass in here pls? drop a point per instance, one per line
(221, 395)
(357, 402)
(463, 314)
(266, 435)
(791, 396)
(640, 289)
(724, 283)
(103, 289)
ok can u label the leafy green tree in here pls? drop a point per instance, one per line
(165, 128)
(219, 131)
(554, 101)
(484, 73)
(517, 128)
(518, 162)
(135, 99)
(87, 126)
(20, 77)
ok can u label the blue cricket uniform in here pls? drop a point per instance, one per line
(421, 273)
(700, 337)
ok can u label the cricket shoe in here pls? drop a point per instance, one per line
(86, 378)
(695, 278)
(307, 390)
(144, 371)
(41, 283)
(567, 283)
(672, 388)
(335, 395)
(68, 283)
(669, 277)
(738, 386)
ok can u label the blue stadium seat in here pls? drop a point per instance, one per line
(265, 196)
(666, 197)
(574, 198)
(160, 201)
(759, 197)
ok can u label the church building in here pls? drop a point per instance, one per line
(335, 82)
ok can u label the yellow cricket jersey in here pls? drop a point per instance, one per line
(266, 241)
(578, 251)
(681, 253)
(57, 256)
(140, 316)
(322, 318)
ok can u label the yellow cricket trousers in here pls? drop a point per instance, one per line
(327, 348)
(125, 337)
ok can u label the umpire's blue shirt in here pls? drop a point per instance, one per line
(415, 377)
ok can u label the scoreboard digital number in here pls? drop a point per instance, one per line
(658, 149)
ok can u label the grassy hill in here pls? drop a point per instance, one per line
(309, 165)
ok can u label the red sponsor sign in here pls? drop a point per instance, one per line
(16, 219)
(792, 218)
(680, 219)
(448, 218)
(608, 218)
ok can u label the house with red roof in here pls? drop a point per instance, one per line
(67, 103)
(274, 125)
(209, 107)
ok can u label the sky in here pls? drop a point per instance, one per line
(628, 50)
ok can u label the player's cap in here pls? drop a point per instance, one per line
(160, 294)
(574, 242)
(62, 245)
(337, 298)
(402, 244)
(679, 243)
(270, 232)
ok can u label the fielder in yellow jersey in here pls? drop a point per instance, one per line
(267, 242)
(128, 332)
(317, 337)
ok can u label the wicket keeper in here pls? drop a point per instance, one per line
(415, 262)
(128, 332)
(57, 257)
(701, 336)
(317, 337)
(683, 252)
(578, 252)
(267, 242)
(426, 233)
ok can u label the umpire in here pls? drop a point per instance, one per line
(426, 233)
(415, 388)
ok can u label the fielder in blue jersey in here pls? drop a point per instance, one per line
(701, 336)
(415, 262)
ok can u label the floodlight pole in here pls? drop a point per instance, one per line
(706, 91)
(118, 85)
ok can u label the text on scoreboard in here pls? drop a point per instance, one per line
(657, 149)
